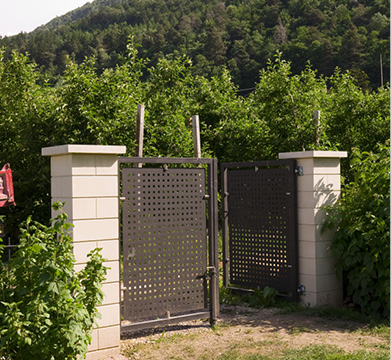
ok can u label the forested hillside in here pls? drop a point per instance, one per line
(240, 34)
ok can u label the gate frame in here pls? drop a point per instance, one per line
(213, 261)
(291, 164)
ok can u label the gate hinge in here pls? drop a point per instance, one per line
(299, 171)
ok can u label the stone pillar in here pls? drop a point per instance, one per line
(85, 177)
(319, 186)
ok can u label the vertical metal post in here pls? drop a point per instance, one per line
(225, 225)
(140, 132)
(213, 243)
(196, 136)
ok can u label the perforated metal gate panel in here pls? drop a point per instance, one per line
(260, 226)
(164, 242)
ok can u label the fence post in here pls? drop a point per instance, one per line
(85, 177)
(319, 186)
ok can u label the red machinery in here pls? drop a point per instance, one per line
(6, 187)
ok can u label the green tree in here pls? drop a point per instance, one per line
(27, 115)
(361, 220)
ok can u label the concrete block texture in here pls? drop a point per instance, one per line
(94, 186)
(333, 298)
(111, 293)
(320, 283)
(109, 337)
(94, 340)
(320, 165)
(110, 250)
(99, 229)
(326, 166)
(112, 271)
(86, 178)
(311, 216)
(103, 354)
(107, 208)
(84, 186)
(83, 164)
(110, 315)
(314, 249)
(82, 249)
(89, 208)
(318, 188)
(314, 232)
(317, 199)
(319, 182)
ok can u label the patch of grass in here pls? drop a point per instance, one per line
(298, 329)
(323, 352)
(265, 343)
(381, 330)
(220, 326)
(188, 350)
(133, 349)
(236, 355)
(374, 326)
(312, 352)
(288, 307)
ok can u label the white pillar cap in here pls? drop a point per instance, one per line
(312, 154)
(83, 149)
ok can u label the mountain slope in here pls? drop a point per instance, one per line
(239, 34)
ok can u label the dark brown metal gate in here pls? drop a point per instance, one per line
(167, 262)
(260, 226)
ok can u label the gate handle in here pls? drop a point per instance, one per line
(213, 273)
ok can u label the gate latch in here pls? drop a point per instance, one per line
(299, 171)
(212, 272)
(301, 290)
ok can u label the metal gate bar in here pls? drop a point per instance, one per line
(164, 242)
(260, 225)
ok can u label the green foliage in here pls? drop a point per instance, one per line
(287, 103)
(258, 299)
(93, 107)
(46, 309)
(26, 125)
(362, 240)
(241, 35)
(266, 297)
(169, 106)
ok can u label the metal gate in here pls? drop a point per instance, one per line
(170, 248)
(260, 226)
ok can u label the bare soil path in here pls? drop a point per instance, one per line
(249, 331)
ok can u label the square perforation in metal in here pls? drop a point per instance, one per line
(260, 219)
(164, 246)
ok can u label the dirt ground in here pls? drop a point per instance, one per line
(248, 331)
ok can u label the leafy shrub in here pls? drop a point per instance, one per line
(46, 309)
(362, 238)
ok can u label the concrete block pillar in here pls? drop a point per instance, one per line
(319, 186)
(85, 177)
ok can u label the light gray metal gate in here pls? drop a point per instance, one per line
(170, 263)
(260, 226)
